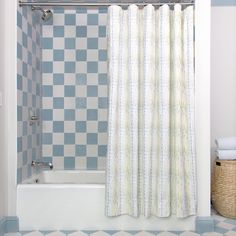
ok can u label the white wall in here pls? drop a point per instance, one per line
(223, 72)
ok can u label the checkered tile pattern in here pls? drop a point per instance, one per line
(74, 88)
(28, 90)
(223, 227)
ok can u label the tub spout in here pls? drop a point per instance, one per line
(42, 164)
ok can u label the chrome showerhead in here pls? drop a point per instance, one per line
(47, 14)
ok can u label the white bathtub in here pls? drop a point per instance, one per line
(74, 200)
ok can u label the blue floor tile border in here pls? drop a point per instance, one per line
(9, 224)
(204, 224)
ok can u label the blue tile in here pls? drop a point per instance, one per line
(69, 138)
(19, 175)
(47, 159)
(58, 103)
(58, 126)
(102, 31)
(24, 40)
(47, 90)
(58, 10)
(69, 114)
(92, 114)
(92, 19)
(58, 150)
(25, 98)
(29, 142)
(69, 43)
(29, 84)
(81, 126)
(58, 79)
(19, 113)
(70, 67)
(70, 19)
(102, 126)
(81, 55)
(69, 163)
(58, 31)
(102, 55)
(80, 150)
(19, 51)
(47, 67)
(25, 158)
(102, 10)
(25, 128)
(47, 138)
(81, 31)
(92, 67)
(24, 69)
(69, 91)
(47, 114)
(92, 43)
(81, 79)
(103, 102)
(81, 103)
(29, 30)
(102, 150)
(92, 163)
(58, 55)
(29, 58)
(92, 91)
(19, 19)
(92, 138)
(19, 144)
(81, 10)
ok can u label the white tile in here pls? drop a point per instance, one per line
(69, 55)
(92, 150)
(78, 233)
(47, 55)
(102, 163)
(47, 150)
(58, 115)
(80, 163)
(35, 233)
(81, 43)
(92, 31)
(230, 233)
(166, 234)
(81, 19)
(81, 138)
(58, 163)
(12, 234)
(92, 55)
(122, 233)
(58, 43)
(58, 66)
(58, 19)
(70, 31)
(69, 150)
(187, 233)
(100, 233)
(47, 31)
(58, 138)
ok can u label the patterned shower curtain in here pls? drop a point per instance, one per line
(151, 139)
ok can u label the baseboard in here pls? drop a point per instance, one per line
(204, 224)
(9, 224)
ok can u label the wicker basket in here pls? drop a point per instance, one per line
(224, 188)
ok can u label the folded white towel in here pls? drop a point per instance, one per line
(228, 143)
(226, 154)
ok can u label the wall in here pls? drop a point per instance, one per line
(75, 88)
(28, 90)
(223, 71)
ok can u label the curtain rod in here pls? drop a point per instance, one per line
(65, 3)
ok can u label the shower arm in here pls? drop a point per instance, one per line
(94, 4)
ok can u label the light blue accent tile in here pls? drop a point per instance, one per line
(102, 10)
(19, 144)
(92, 138)
(102, 150)
(69, 91)
(92, 114)
(47, 114)
(204, 224)
(69, 114)
(47, 67)
(69, 43)
(70, 67)
(81, 103)
(58, 31)
(29, 30)
(92, 91)
(30, 58)
(69, 163)
(58, 10)
(47, 159)
(92, 43)
(58, 150)
(25, 127)
(58, 126)
(92, 19)
(81, 55)
(81, 31)
(24, 157)
(24, 12)
(81, 79)
(19, 113)
(47, 138)
(19, 51)
(80, 150)
(81, 10)
(29, 142)
(102, 55)
(19, 175)
(11, 224)
(25, 69)
(24, 40)
(24, 98)
(58, 103)
(47, 90)
(19, 19)
(69, 138)
(29, 83)
(103, 102)
(81, 126)
(92, 163)
(58, 55)
(102, 31)
(58, 79)
(70, 19)
(102, 126)
(92, 67)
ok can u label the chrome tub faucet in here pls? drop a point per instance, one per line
(42, 164)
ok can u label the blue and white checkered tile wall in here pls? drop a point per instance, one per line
(74, 88)
(28, 90)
